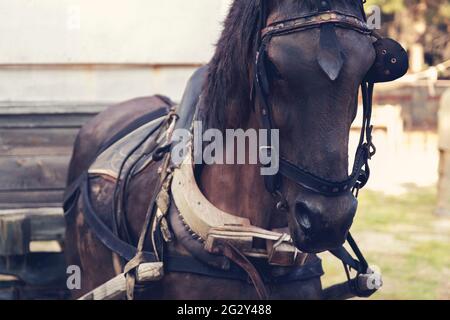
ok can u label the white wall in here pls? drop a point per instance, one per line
(103, 50)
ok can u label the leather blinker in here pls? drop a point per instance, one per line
(391, 61)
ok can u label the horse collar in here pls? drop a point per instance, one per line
(213, 227)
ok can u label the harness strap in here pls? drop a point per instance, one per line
(104, 233)
(158, 246)
(241, 260)
(189, 264)
(72, 190)
(120, 190)
(178, 263)
(139, 122)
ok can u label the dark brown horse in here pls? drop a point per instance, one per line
(313, 105)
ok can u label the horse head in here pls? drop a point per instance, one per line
(311, 73)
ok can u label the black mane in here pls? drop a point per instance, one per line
(230, 72)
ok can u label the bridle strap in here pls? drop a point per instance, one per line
(313, 21)
(360, 264)
(316, 184)
(365, 150)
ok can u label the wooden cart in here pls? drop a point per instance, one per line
(36, 142)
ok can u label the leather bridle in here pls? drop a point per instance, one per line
(366, 149)
(360, 173)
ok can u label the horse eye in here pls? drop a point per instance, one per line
(272, 70)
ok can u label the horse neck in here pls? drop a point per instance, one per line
(239, 189)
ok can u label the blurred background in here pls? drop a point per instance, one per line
(63, 61)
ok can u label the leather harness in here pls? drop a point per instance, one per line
(136, 147)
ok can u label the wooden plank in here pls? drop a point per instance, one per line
(20, 151)
(14, 235)
(20, 227)
(50, 141)
(35, 173)
(16, 290)
(8, 291)
(44, 121)
(31, 198)
(115, 289)
(45, 246)
(48, 114)
(51, 107)
(45, 223)
(36, 269)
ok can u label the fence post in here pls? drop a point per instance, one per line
(443, 205)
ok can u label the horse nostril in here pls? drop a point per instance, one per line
(302, 212)
(304, 221)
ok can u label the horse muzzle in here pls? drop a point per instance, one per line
(320, 223)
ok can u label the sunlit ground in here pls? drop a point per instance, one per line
(402, 236)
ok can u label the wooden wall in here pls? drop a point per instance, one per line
(35, 148)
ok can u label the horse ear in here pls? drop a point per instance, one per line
(363, 12)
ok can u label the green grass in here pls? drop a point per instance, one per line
(410, 245)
